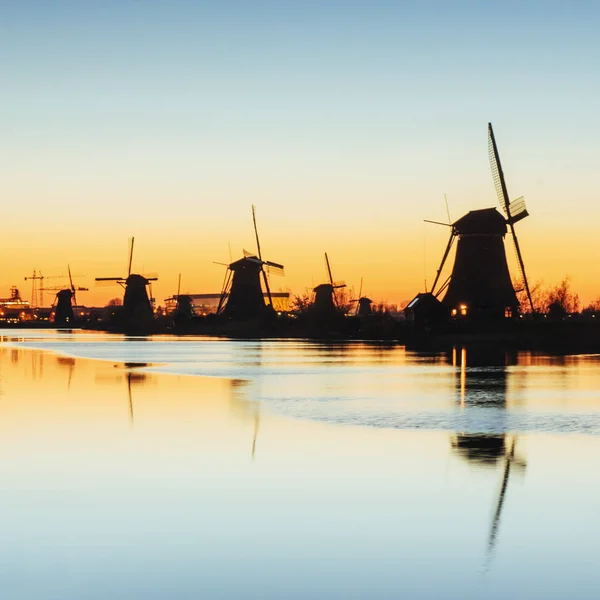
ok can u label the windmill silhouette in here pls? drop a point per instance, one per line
(480, 284)
(137, 312)
(242, 296)
(363, 304)
(326, 300)
(65, 304)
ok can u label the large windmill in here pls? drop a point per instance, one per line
(66, 301)
(137, 308)
(480, 284)
(242, 296)
(326, 300)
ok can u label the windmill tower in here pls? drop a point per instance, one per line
(242, 294)
(66, 301)
(137, 308)
(326, 302)
(480, 285)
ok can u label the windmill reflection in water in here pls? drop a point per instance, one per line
(134, 376)
(481, 383)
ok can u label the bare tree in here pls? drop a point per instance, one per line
(563, 297)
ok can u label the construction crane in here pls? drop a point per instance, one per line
(37, 290)
(34, 278)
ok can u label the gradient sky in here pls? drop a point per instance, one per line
(344, 122)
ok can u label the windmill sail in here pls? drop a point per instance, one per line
(514, 211)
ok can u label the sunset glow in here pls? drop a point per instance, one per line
(343, 123)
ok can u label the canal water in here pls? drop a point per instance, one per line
(200, 468)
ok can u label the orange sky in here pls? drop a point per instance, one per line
(389, 246)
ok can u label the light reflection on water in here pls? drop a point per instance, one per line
(127, 478)
(377, 386)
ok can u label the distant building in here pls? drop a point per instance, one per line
(207, 304)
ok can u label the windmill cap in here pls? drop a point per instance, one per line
(135, 278)
(324, 287)
(484, 221)
(252, 262)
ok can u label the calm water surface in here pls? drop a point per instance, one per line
(160, 468)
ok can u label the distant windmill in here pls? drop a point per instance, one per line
(480, 283)
(242, 295)
(66, 301)
(137, 308)
(35, 289)
(363, 304)
(326, 300)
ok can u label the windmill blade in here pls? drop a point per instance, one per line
(359, 297)
(436, 222)
(498, 512)
(264, 273)
(256, 231)
(497, 174)
(274, 270)
(179, 286)
(519, 205)
(109, 279)
(518, 210)
(74, 303)
(447, 210)
(248, 254)
(444, 257)
(273, 264)
(328, 269)
(225, 289)
(220, 263)
(130, 256)
(256, 424)
(130, 398)
(71, 367)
